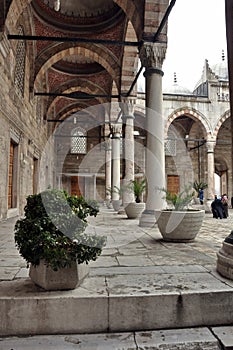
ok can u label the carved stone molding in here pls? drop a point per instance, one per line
(127, 105)
(15, 135)
(152, 55)
(4, 45)
(116, 128)
(210, 146)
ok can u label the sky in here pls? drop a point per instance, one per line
(196, 31)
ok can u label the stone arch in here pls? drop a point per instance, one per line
(110, 65)
(72, 110)
(153, 14)
(134, 13)
(84, 86)
(222, 151)
(220, 122)
(192, 113)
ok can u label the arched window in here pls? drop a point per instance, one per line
(20, 63)
(78, 140)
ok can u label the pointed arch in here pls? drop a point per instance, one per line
(192, 113)
(220, 122)
(109, 64)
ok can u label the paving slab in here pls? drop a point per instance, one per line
(8, 273)
(126, 270)
(164, 283)
(71, 342)
(183, 268)
(105, 261)
(225, 336)
(135, 260)
(179, 339)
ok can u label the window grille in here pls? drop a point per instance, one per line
(170, 145)
(20, 63)
(78, 140)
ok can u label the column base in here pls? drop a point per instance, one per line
(147, 219)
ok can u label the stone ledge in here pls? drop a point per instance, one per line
(116, 304)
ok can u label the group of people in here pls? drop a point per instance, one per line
(220, 207)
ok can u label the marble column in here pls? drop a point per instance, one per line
(127, 107)
(116, 154)
(210, 169)
(108, 169)
(152, 56)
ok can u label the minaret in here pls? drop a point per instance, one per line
(223, 55)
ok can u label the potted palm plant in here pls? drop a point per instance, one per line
(51, 238)
(179, 223)
(134, 209)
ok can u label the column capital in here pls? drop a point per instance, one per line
(210, 146)
(127, 105)
(152, 55)
(116, 130)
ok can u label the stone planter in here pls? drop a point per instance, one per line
(179, 226)
(225, 260)
(116, 203)
(65, 278)
(133, 210)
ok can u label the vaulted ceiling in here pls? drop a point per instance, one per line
(88, 68)
(82, 52)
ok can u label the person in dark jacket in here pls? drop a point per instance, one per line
(217, 208)
(201, 196)
(225, 205)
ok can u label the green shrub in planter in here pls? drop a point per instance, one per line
(53, 230)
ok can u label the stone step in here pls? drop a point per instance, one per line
(202, 338)
(119, 300)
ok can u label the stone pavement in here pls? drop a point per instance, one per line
(140, 283)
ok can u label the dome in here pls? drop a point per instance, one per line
(221, 69)
(177, 89)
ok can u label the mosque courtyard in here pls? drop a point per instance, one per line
(142, 293)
